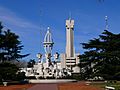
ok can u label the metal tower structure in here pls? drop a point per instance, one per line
(106, 23)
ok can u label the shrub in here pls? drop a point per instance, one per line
(31, 77)
(20, 76)
(7, 71)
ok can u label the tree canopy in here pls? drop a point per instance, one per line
(102, 56)
(8, 71)
(10, 45)
(31, 63)
(10, 51)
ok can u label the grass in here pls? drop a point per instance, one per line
(115, 84)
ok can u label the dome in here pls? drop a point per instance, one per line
(48, 41)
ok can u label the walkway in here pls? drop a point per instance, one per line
(44, 87)
(59, 86)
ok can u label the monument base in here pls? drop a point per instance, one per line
(52, 81)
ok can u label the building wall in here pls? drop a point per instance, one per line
(63, 60)
(77, 58)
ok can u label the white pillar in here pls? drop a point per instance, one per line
(69, 38)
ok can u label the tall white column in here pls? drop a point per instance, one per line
(70, 38)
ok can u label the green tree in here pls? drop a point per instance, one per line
(8, 71)
(10, 51)
(1, 42)
(10, 46)
(31, 63)
(102, 57)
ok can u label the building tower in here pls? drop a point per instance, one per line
(48, 45)
(70, 52)
(70, 38)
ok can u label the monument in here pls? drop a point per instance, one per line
(67, 63)
(70, 52)
(70, 59)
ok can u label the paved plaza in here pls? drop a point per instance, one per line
(47, 86)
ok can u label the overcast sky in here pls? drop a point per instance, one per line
(30, 18)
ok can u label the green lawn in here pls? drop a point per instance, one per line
(115, 84)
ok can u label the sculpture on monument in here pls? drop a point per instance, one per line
(62, 65)
(48, 45)
(48, 68)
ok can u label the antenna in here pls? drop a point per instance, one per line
(69, 15)
(106, 22)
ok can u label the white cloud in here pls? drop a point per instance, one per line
(30, 34)
(11, 18)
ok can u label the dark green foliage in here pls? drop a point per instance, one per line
(10, 46)
(20, 76)
(7, 71)
(102, 57)
(10, 51)
(31, 63)
(10, 72)
(76, 76)
(31, 77)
